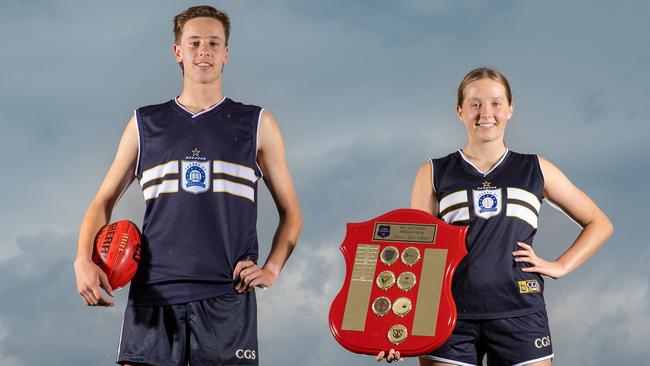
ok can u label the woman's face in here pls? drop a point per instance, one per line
(485, 110)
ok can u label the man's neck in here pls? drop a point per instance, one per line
(199, 97)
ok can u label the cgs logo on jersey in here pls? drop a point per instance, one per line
(529, 287)
(195, 173)
(543, 342)
(487, 201)
(245, 354)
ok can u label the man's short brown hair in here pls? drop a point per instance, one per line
(198, 12)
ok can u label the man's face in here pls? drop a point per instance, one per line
(202, 50)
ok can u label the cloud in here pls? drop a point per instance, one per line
(303, 293)
(294, 327)
(602, 320)
(5, 359)
(44, 320)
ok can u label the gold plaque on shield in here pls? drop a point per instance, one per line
(381, 306)
(402, 306)
(403, 232)
(410, 256)
(397, 334)
(406, 281)
(385, 280)
(389, 255)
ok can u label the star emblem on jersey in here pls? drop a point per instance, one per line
(196, 155)
(487, 185)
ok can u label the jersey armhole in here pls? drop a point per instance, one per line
(433, 186)
(433, 177)
(136, 173)
(541, 174)
(257, 142)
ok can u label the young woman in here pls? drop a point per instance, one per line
(498, 288)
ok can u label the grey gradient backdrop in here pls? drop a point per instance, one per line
(364, 93)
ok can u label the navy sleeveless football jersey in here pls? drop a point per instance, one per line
(198, 174)
(501, 208)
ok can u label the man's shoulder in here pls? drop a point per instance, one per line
(153, 108)
(242, 107)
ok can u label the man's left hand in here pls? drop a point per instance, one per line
(248, 275)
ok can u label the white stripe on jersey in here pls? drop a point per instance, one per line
(167, 186)
(237, 189)
(236, 170)
(523, 195)
(159, 171)
(522, 212)
(453, 199)
(458, 214)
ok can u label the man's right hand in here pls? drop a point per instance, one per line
(90, 278)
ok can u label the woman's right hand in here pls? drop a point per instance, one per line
(392, 356)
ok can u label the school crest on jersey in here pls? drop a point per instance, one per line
(195, 176)
(487, 202)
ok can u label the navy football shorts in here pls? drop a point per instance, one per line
(217, 331)
(513, 341)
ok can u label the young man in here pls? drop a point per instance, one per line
(197, 158)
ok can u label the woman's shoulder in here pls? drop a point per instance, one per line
(518, 157)
(523, 155)
(450, 156)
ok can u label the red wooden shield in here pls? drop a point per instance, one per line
(397, 288)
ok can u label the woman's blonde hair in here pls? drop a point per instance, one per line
(483, 73)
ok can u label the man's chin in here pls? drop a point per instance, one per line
(204, 79)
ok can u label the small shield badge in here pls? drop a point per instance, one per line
(487, 202)
(383, 231)
(195, 176)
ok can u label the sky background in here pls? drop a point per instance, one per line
(364, 92)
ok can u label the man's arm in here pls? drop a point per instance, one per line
(272, 161)
(596, 227)
(89, 276)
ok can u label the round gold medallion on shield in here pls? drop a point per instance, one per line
(402, 306)
(389, 255)
(385, 280)
(397, 334)
(406, 281)
(381, 306)
(410, 256)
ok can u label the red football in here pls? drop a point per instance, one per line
(117, 252)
